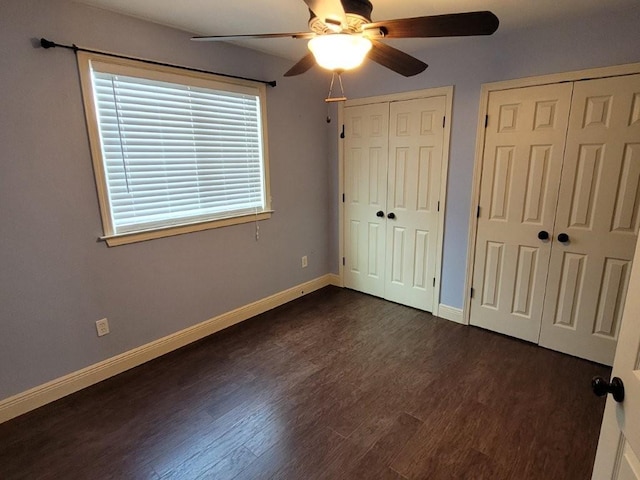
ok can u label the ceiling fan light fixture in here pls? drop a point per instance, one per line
(339, 51)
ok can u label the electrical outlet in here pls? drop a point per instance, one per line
(102, 326)
(304, 262)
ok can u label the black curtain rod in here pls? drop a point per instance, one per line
(44, 43)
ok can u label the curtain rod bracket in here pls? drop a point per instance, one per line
(44, 43)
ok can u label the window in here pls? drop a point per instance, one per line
(174, 151)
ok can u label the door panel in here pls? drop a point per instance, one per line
(619, 444)
(522, 164)
(365, 153)
(492, 274)
(416, 137)
(629, 465)
(525, 275)
(598, 210)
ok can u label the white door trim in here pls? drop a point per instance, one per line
(447, 92)
(486, 89)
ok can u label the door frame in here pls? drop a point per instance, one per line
(447, 92)
(486, 89)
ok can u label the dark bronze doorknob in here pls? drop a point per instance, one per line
(380, 213)
(543, 235)
(391, 215)
(563, 237)
(601, 387)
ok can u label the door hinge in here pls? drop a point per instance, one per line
(444, 119)
(471, 292)
(478, 212)
(343, 198)
(344, 262)
(434, 281)
(486, 121)
(438, 205)
(342, 133)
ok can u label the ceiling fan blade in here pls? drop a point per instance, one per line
(451, 25)
(330, 12)
(224, 38)
(395, 59)
(302, 66)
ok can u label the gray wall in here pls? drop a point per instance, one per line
(467, 63)
(55, 279)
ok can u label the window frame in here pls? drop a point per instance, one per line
(173, 75)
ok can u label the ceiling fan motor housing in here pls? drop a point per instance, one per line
(358, 12)
(358, 7)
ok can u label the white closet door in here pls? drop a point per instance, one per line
(393, 163)
(522, 163)
(598, 209)
(366, 157)
(416, 137)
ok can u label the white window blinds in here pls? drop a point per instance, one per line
(176, 153)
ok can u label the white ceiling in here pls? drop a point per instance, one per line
(225, 17)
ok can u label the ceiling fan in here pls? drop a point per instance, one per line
(342, 35)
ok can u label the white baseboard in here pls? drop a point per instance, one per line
(49, 392)
(335, 280)
(450, 313)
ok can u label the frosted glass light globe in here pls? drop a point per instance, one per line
(339, 51)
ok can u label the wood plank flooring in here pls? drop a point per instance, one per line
(335, 385)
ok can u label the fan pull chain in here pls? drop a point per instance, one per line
(330, 90)
(329, 98)
(333, 78)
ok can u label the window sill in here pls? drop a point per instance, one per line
(143, 236)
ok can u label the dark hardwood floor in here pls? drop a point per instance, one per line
(334, 385)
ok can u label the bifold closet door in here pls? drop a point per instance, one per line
(393, 155)
(366, 153)
(416, 137)
(598, 211)
(522, 164)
